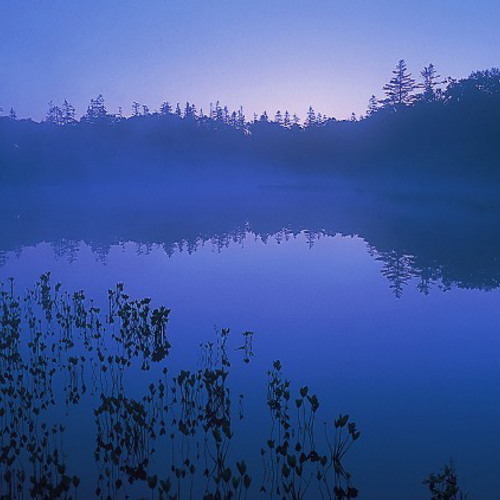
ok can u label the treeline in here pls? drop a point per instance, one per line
(437, 124)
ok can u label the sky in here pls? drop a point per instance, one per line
(260, 54)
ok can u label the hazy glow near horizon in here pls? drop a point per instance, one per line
(261, 54)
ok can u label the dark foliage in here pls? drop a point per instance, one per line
(450, 127)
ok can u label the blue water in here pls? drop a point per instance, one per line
(419, 373)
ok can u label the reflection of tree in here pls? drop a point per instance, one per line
(455, 263)
(66, 249)
(398, 269)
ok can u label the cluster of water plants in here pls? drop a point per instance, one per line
(154, 431)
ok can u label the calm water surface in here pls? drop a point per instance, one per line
(418, 372)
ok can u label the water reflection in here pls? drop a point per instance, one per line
(61, 354)
(318, 302)
(439, 238)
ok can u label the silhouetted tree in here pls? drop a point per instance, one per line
(372, 106)
(278, 117)
(96, 110)
(241, 120)
(286, 120)
(225, 115)
(136, 109)
(311, 118)
(54, 114)
(484, 83)
(431, 81)
(189, 110)
(12, 114)
(399, 90)
(165, 108)
(68, 113)
(216, 113)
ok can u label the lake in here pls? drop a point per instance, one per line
(384, 303)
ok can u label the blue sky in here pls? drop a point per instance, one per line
(262, 54)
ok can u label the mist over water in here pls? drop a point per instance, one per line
(382, 299)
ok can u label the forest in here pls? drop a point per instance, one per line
(433, 127)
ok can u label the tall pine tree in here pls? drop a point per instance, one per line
(400, 89)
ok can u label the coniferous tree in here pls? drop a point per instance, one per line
(431, 81)
(296, 120)
(189, 110)
(178, 110)
(278, 117)
(68, 113)
(96, 110)
(12, 114)
(54, 114)
(286, 120)
(241, 120)
(372, 106)
(225, 115)
(399, 91)
(165, 108)
(264, 117)
(233, 120)
(217, 112)
(136, 109)
(311, 119)
(145, 110)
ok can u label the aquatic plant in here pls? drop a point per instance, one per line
(172, 436)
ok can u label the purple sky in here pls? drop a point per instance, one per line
(261, 54)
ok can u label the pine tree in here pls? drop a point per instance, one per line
(12, 114)
(431, 81)
(189, 110)
(233, 120)
(217, 113)
(372, 106)
(54, 114)
(296, 120)
(241, 118)
(145, 110)
(278, 117)
(165, 108)
(68, 113)
(311, 119)
(399, 90)
(178, 110)
(286, 120)
(136, 109)
(96, 110)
